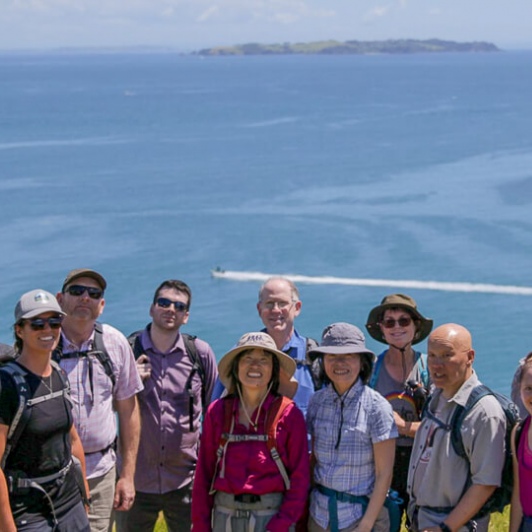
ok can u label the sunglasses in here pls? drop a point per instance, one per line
(163, 302)
(38, 324)
(402, 322)
(78, 290)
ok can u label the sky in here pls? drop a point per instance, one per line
(189, 25)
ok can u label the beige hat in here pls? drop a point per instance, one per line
(84, 272)
(260, 340)
(36, 302)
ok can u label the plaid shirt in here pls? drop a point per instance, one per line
(94, 417)
(344, 429)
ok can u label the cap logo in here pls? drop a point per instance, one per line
(40, 297)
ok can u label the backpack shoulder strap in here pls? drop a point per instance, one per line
(519, 433)
(459, 415)
(274, 414)
(100, 352)
(197, 365)
(421, 361)
(135, 343)
(22, 414)
(375, 374)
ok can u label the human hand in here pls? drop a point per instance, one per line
(144, 367)
(124, 495)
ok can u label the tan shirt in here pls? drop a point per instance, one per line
(437, 476)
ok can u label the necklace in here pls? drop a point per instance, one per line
(49, 386)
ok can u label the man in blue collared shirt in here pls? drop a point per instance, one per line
(278, 307)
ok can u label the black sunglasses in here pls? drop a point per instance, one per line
(164, 302)
(402, 322)
(38, 324)
(78, 290)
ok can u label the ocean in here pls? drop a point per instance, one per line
(150, 166)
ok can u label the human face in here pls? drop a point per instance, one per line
(342, 370)
(43, 340)
(277, 308)
(169, 318)
(526, 387)
(450, 362)
(82, 307)
(255, 369)
(398, 336)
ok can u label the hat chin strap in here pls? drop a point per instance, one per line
(403, 357)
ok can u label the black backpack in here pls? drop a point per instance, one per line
(197, 367)
(502, 496)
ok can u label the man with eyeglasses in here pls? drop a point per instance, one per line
(104, 382)
(179, 372)
(278, 307)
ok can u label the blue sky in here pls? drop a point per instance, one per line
(193, 24)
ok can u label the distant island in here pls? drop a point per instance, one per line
(399, 46)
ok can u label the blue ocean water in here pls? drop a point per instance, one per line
(154, 166)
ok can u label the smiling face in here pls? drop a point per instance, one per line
(398, 335)
(255, 369)
(450, 358)
(342, 370)
(278, 307)
(38, 341)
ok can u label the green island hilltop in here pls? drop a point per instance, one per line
(398, 46)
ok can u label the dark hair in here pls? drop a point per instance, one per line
(180, 286)
(366, 367)
(232, 372)
(415, 319)
(19, 343)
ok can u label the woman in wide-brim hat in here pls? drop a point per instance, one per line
(400, 372)
(253, 466)
(41, 452)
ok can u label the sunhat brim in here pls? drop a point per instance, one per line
(339, 350)
(374, 329)
(287, 382)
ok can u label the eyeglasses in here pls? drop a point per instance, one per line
(38, 324)
(78, 290)
(281, 305)
(402, 322)
(164, 302)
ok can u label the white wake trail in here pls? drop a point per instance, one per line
(392, 283)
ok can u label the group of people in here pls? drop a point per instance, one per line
(284, 433)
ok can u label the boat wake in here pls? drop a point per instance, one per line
(392, 283)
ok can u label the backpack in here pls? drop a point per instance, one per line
(98, 351)
(502, 496)
(275, 412)
(26, 401)
(319, 379)
(197, 367)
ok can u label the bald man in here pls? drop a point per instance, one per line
(437, 479)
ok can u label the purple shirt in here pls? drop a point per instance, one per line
(168, 451)
(94, 417)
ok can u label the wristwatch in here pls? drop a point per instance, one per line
(444, 527)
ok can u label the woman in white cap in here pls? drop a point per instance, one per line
(41, 487)
(353, 440)
(253, 468)
(401, 374)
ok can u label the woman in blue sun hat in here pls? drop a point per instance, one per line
(353, 440)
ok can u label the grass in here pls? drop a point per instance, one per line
(498, 522)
